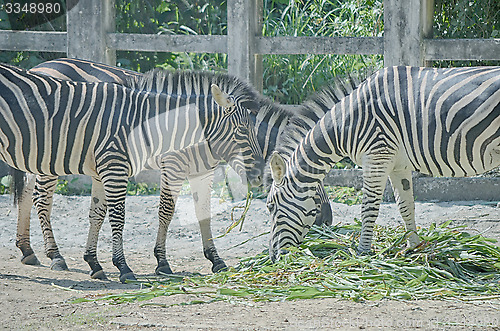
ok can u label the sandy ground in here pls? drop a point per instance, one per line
(32, 298)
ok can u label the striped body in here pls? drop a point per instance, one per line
(441, 122)
(109, 131)
(276, 125)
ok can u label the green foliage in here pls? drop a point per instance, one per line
(449, 264)
(134, 188)
(66, 187)
(5, 184)
(28, 60)
(466, 19)
(287, 78)
(291, 78)
(347, 195)
(189, 17)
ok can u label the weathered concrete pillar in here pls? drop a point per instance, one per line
(406, 23)
(88, 22)
(244, 23)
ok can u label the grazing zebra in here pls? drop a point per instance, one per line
(270, 121)
(441, 122)
(109, 131)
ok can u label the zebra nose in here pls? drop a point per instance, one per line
(256, 177)
(257, 181)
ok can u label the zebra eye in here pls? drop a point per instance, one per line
(270, 206)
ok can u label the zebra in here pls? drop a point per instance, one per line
(440, 122)
(121, 127)
(270, 123)
(174, 165)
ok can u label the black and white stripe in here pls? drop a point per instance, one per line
(109, 131)
(441, 122)
(278, 127)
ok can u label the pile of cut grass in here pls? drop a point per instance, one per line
(449, 263)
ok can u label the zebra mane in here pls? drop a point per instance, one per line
(158, 80)
(315, 107)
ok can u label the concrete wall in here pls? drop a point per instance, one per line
(429, 188)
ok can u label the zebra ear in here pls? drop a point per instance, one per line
(278, 167)
(221, 98)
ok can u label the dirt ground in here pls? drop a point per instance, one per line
(34, 298)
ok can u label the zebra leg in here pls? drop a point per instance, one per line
(98, 208)
(43, 194)
(23, 222)
(165, 214)
(173, 172)
(200, 187)
(375, 174)
(402, 185)
(115, 188)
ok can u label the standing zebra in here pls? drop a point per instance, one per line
(174, 165)
(271, 122)
(109, 131)
(441, 122)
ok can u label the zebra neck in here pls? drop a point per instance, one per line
(318, 152)
(167, 124)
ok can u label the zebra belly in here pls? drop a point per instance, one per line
(461, 162)
(29, 163)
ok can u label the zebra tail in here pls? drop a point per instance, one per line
(17, 184)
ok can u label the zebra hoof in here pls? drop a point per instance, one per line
(30, 260)
(163, 270)
(128, 276)
(219, 267)
(362, 252)
(98, 275)
(58, 264)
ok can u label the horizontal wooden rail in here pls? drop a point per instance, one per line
(462, 49)
(434, 49)
(167, 43)
(320, 45)
(35, 41)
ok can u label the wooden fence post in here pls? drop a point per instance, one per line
(88, 23)
(406, 23)
(244, 22)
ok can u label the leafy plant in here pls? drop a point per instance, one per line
(347, 195)
(5, 184)
(466, 19)
(448, 263)
(134, 188)
(291, 78)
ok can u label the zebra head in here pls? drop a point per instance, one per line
(293, 207)
(236, 141)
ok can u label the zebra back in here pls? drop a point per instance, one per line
(97, 112)
(84, 71)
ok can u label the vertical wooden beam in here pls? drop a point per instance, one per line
(88, 23)
(403, 31)
(244, 21)
(258, 80)
(427, 27)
